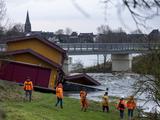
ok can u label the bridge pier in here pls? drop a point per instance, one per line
(105, 58)
(65, 67)
(66, 64)
(121, 62)
(98, 59)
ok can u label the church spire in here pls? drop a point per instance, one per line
(27, 24)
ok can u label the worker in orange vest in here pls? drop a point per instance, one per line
(83, 100)
(28, 87)
(121, 107)
(131, 105)
(59, 94)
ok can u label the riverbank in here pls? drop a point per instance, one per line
(42, 108)
(101, 68)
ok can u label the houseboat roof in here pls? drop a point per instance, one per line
(82, 79)
(34, 54)
(47, 42)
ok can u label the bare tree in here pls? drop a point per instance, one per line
(15, 30)
(2, 15)
(119, 30)
(106, 35)
(104, 29)
(148, 65)
(136, 32)
(79, 8)
(59, 31)
(78, 65)
(2, 11)
(140, 10)
(68, 31)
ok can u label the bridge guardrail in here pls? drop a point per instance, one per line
(108, 47)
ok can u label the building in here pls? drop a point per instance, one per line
(154, 36)
(86, 37)
(77, 82)
(35, 57)
(27, 26)
(82, 78)
(75, 38)
(28, 31)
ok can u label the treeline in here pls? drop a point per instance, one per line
(107, 35)
(100, 68)
(147, 63)
(142, 64)
(12, 30)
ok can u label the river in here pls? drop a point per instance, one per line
(119, 85)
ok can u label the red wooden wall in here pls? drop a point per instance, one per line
(18, 72)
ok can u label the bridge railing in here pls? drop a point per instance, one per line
(109, 46)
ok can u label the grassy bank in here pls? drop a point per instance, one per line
(42, 108)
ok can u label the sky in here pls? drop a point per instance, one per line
(79, 15)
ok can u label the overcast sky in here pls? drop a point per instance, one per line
(79, 15)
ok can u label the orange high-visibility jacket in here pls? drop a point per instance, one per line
(59, 92)
(131, 104)
(28, 85)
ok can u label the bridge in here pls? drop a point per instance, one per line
(107, 48)
(120, 52)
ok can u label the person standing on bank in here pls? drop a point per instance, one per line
(121, 107)
(28, 87)
(83, 100)
(105, 102)
(59, 94)
(131, 105)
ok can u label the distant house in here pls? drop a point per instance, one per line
(121, 37)
(154, 36)
(46, 35)
(137, 38)
(35, 57)
(62, 38)
(86, 38)
(73, 38)
(112, 37)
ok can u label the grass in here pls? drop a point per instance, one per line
(42, 108)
